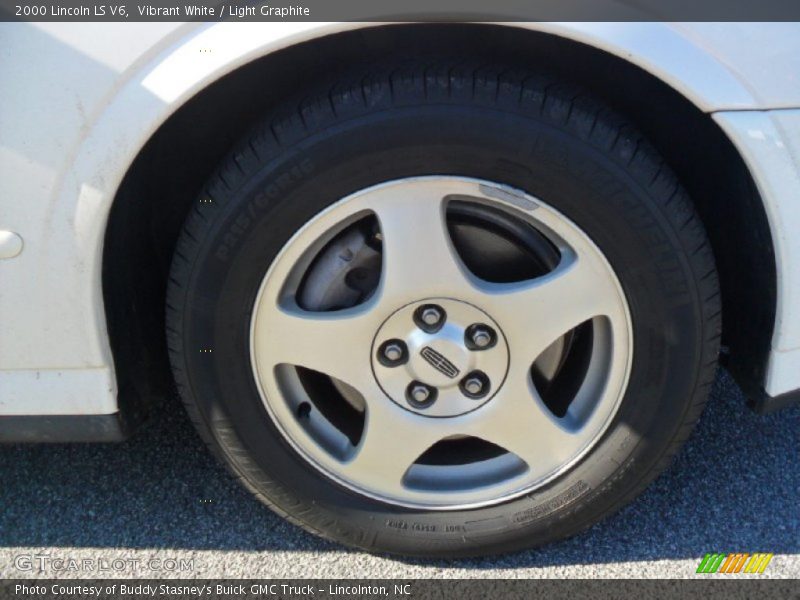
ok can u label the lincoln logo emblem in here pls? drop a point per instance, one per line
(439, 362)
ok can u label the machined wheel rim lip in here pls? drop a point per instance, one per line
(308, 239)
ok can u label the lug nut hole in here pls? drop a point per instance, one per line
(430, 317)
(303, 410)
(475, 385)
(393, 353)
(480, 337)
(420, 395)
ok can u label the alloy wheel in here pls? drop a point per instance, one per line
(399, 367)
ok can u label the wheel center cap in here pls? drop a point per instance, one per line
(440, 357)
(440, 361)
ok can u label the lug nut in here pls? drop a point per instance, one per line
(393, 353)
(420, 395)
(480, 337)
(475, 385)
(430, 318)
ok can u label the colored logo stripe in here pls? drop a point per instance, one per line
(737, 562)
(758, 563)
(710, 563)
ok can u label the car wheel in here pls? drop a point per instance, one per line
(441, 311)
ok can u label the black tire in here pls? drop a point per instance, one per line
(545, 138)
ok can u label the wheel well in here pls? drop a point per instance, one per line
(170, 170)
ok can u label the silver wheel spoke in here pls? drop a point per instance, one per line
(418, 256)
(322, 341)
(534, 314)
(392, 440)
(518, 421)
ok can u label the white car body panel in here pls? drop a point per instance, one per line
(87, 97)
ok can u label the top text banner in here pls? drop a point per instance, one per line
(399, 10)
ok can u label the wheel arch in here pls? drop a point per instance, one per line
(175, 157)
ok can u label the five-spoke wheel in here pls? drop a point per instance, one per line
(435, 353)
